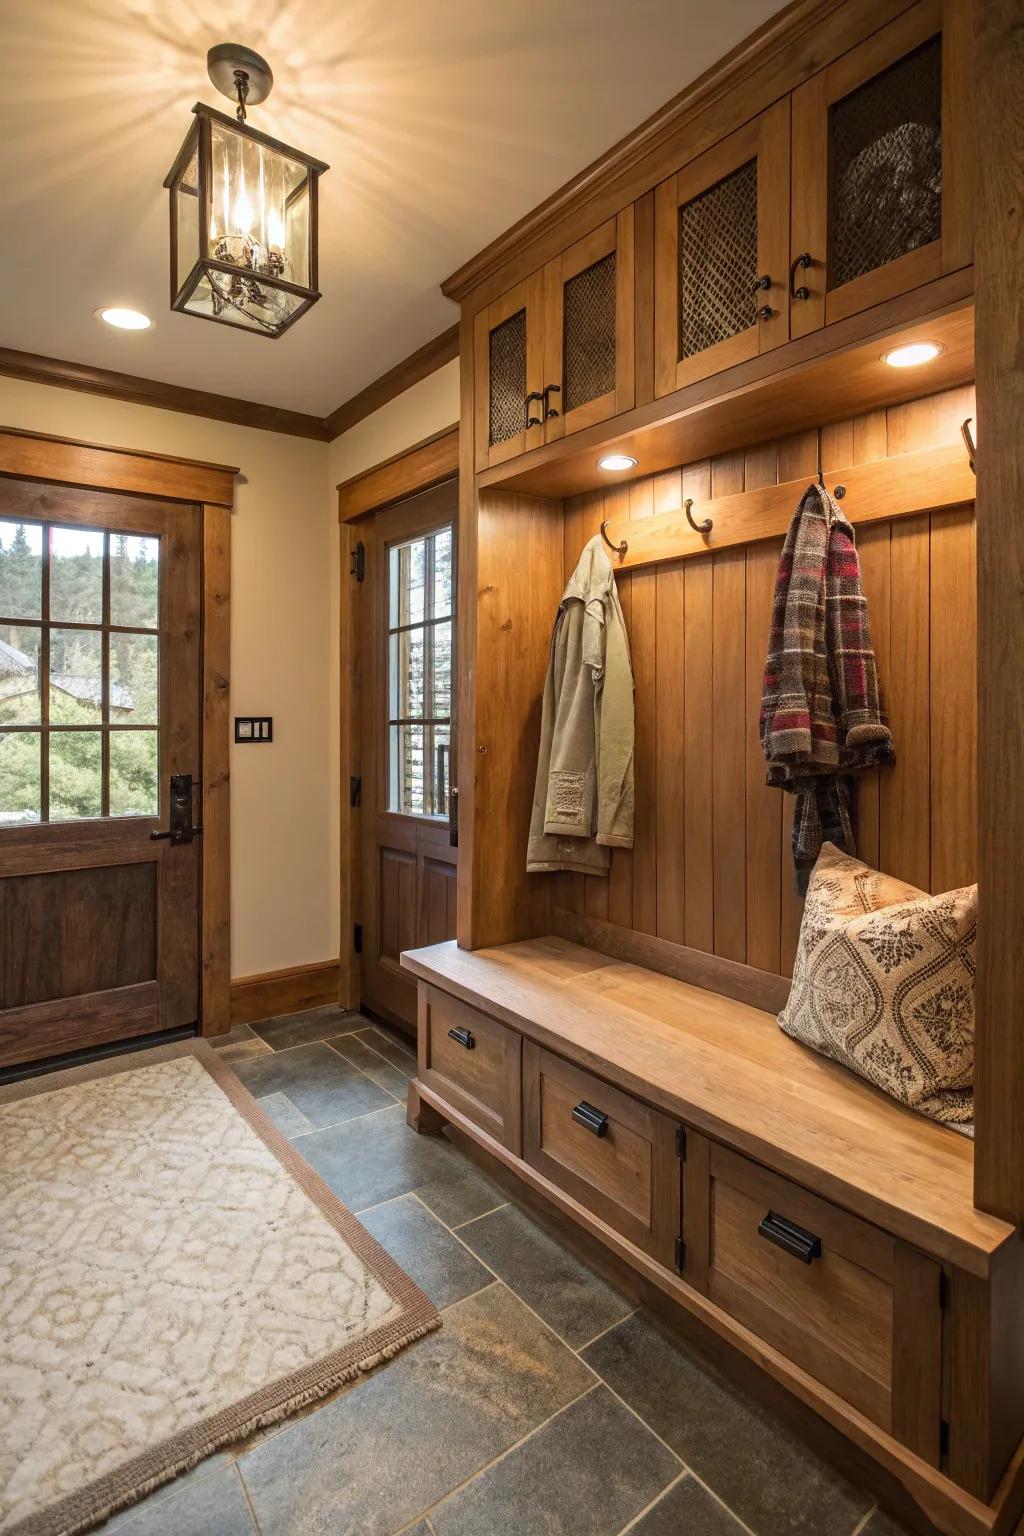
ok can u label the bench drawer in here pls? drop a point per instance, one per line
(472, 1061)
(833, 1293)
(613, 1154)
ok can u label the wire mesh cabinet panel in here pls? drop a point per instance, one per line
(588, 330)
(881, 176)
(721, 254)
(508, 369)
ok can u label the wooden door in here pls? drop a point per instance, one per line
(509, 374)
(407, 625)
(881, 173)
(721, 254)
(588, 330)
(100, 629)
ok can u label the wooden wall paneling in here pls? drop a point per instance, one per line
(672, 698)
(729, 783)
(869, 444)
(997, 96)
(592, 513)
(905, 830)
(699, 734)
(569, 888)
(763, 804)
(953, 649)
(643, 640)
(620, 875)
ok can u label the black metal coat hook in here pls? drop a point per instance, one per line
(702, 527)
(618, 549)
(965, 433)
(840, 490)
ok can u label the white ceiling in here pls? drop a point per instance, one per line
(443, 122)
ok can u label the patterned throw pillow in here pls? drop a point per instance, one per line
(884, 984)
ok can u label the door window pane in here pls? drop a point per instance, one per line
(444, 571)
(21, 565)
(20, 701)
(421, 587)
(407, 583)
(19, 777)
(76, 575)
(76, 676)
(134, 679)
(76, 775)
(134, 581)
(134, 773)
(407, 649)
(442, 670)
(409, 794)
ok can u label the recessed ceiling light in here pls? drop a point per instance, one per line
(614, 461)
(125, 319)
(912, 355)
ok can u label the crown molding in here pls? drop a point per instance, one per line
(403, 376)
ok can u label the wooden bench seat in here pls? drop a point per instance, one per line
(727, 1070)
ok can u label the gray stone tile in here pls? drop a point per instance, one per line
(377, 1068)
(687, 1509)
(185, 1480)
(320, 1083)
(426, 1250)
(375, 1159)
(762, 1472)
(570, 1298)
(463, 1194)
(239, 1044)
(401, 1054)
(588, 1471)
(375, 1459)
(213, 1506)
(305, 1028)
(289, 1120)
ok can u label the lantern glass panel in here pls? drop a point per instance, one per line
(186, 201)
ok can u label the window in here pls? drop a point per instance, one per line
(420, 603)
(79, 673)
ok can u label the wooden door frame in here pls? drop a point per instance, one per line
(96, 466)
(419, 468)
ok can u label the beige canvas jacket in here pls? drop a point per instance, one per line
(583, 801)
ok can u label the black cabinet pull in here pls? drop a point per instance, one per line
(804, 260)
(462, 1037)
(590, 1118)
(549, 410)
(533, 421)
(803, 1245)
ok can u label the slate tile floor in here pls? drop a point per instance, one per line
(544, 1406)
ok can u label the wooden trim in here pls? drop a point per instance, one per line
(216, 772)
(952, 1510)
(926, 480)
(291, 990)
(801, 39)
(350, 683)
(426, 360)
(38, 456)
(68, 1023)
(415, 469)
(165, 397)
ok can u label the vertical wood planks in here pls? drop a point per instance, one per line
(672, 694)
(729, 820)
(643, 652)
(620, 875)
(697, 748)
(763, 804)
(953, 794)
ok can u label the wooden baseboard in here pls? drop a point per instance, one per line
(288, 991)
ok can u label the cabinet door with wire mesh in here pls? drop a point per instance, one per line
(881, 179)
(508, 374)
(588, 330)
(721, 254)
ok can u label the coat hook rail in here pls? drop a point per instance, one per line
(622, 550)
(706, 524)
(965, 433)
(840, 490)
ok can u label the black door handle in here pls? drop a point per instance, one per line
(175, 837)
(590, 1118)
(803, 1245)
(181, 828)
(462, 1037)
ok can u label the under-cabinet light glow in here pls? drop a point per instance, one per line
(617, 461)
(910, 356)
(125, 319)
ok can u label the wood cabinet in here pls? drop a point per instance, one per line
(556, 353)
(881, 179)
(721, 254)
(473, 1061)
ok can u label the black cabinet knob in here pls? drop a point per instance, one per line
(462, 1037)
(590, 1118)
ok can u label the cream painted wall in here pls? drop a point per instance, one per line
(426, 408)
(284, 812)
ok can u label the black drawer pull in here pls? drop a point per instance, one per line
(463, 1036)
(590, 1118)
(802, 1244)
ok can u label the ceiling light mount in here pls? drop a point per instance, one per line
(912, 354)
(241, 74)
(616, 463)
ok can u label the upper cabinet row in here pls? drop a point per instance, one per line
(841, 195)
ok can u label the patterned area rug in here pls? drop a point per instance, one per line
(172, 1276)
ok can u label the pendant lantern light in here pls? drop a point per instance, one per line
(243, 210)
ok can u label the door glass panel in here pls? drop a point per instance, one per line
(21, 565)
(134, 773)
(885, 166)
(19, 777)
(421, 582)
(76, 575)
(588, 333)
(507, 374)
(134, 679)
(718, 262)
(134, 581)
(76, 676)
(76, 775)
(20, 698)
